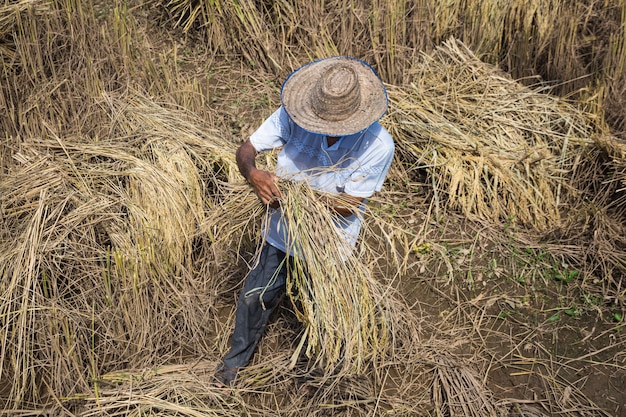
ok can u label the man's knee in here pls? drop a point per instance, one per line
(259, 298)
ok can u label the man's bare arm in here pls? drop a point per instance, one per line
(262, 181)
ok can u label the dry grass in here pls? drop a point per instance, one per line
(494, 149)
(114, 238)
(580, 47)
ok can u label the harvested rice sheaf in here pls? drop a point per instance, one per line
(494, 148)
(105, 231)
(347, 314)
(339, 301)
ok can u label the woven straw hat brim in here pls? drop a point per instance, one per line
(298, 91)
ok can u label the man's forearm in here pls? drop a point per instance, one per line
(245, 157)
(262, 181)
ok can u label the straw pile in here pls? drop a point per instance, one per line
(105, 232)
(494, 149)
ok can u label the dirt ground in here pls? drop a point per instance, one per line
(536, 324)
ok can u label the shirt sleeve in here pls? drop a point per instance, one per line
(273, 132)
(370, 169)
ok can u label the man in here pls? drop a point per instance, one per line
(330, 136)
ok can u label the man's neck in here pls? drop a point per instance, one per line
(331, 140)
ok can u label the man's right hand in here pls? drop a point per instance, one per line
(264, 184)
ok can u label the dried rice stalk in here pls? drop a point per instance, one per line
(346, 312)
(496, 149)
(169, 390)
(457, 391)
(166, 194)
(346, 321)
(236, 217)
(111, 227)
(9, 17)
(137, 116)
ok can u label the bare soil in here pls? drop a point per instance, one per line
(546, 339)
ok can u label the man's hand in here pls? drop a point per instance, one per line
(263, 182)
(343, 204)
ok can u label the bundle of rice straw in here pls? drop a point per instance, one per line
(345, 311)
(458, 391)
(165, 193)
(99, 232)
(339, 302)
(496, 149)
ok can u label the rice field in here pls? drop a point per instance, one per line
(488, 279)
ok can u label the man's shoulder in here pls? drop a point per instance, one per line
(382, 137)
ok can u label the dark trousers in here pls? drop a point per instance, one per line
(262, 292)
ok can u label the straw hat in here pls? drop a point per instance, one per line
(334, 96)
